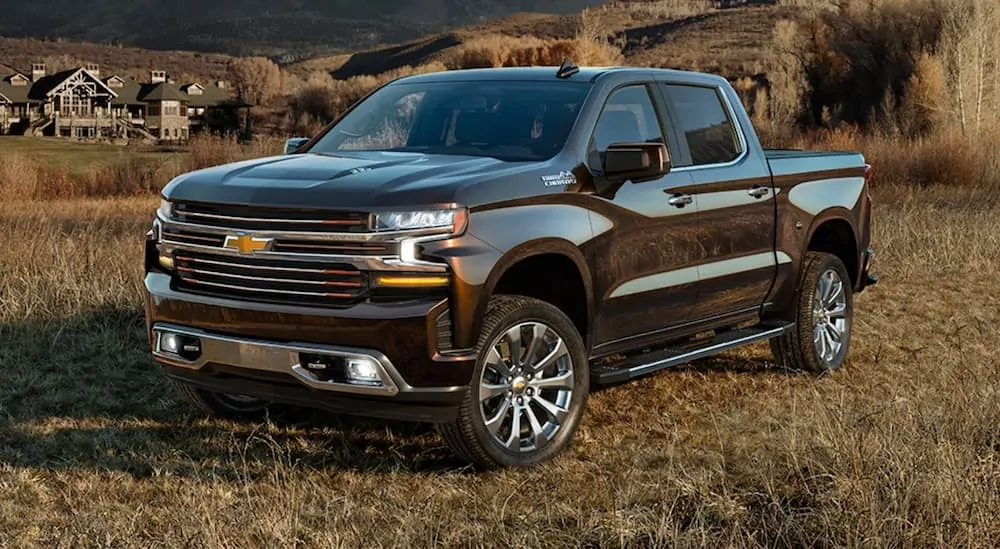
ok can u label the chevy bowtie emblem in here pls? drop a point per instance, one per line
(247, 244)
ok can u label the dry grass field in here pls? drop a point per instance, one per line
(898, 449)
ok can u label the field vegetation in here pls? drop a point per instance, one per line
(898, 449)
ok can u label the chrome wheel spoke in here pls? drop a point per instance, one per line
(513, 442)
(538, 434)
(513, 336)
(836, 291)
(838, 311)
(560, 381)
(835, 334)
(550, 359)
(493, 424)
(538, 332)
(819, 339)
(489, 391)
(495, 361)
(555, 412)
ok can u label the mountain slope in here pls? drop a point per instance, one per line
(295, 28)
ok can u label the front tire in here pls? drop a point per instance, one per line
(230, 406)
(529, 387)
(821, 338)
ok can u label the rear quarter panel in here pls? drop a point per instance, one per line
(811, 189)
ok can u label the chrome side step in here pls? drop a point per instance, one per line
(647, 363)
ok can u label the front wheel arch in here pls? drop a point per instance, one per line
(529, 251)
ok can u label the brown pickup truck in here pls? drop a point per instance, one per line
(478, 248)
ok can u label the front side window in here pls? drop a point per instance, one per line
(627, 117)
(508, 120)
(705, 124)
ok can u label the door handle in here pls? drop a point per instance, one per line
(758, 192)
(680, 200)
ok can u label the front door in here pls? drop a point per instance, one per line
(646, 258)
(736, 206)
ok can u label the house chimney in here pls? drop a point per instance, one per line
(157, 77)
(37, 71)
(95, 69)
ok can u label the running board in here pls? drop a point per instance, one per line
(647, 363)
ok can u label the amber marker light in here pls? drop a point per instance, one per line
(167, 262)
(411, 281)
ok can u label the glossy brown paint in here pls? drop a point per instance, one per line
(796, 227)
(400, 332)
(619, 237)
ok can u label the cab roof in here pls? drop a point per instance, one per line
(585, 74)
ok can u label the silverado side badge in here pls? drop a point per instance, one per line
(562, 178)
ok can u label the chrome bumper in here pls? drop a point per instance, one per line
(283, 358)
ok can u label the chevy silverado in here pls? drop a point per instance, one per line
(478, 248)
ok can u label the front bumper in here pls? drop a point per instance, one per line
(256, 349)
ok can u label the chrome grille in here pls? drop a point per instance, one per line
(271, 219)
(307, 283)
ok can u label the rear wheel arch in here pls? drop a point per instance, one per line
(834, 234)
(552, 270)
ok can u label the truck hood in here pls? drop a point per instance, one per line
(363, 180)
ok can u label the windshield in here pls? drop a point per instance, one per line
(508, 120)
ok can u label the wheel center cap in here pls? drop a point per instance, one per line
(519, 385)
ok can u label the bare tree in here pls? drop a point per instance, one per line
(787, 74)
(972, 58)
(257, 79)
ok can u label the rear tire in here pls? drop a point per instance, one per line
(529, 387)
(229, 406)
(824, 316)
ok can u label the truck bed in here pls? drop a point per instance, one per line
(788, 162)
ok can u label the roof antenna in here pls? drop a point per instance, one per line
(567, 69)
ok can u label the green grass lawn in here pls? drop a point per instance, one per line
(78, 156)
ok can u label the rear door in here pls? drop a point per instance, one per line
(646, 263)
(735, 196)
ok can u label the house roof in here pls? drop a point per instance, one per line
(42, 88)
(4, 99)
(15, 94)
(135, 93)
(131, 92)
(164, 92)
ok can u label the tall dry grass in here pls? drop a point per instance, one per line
(897, 449)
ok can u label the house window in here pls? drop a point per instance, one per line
(75, 102)
(171, 108)
(154, 110)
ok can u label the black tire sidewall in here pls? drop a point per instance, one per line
(536, 311)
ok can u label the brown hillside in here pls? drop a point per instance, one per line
(733, 41)
(135, 62)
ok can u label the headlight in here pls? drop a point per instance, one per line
(166, 209)
(453, 219)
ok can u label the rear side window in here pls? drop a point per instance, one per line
(705, 123)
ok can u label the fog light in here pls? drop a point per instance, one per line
(180, 345)
(167, 262)
(363, 371)
(170, 343)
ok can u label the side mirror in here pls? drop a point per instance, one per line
(637, 162)
(294, 143)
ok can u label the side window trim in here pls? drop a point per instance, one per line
(680, 156)
(730, 112)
